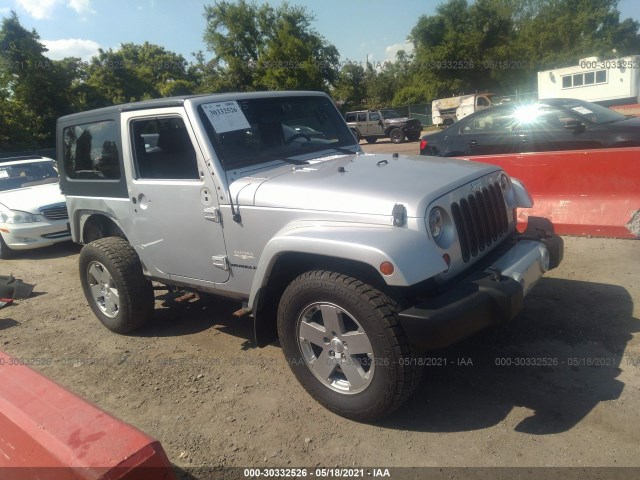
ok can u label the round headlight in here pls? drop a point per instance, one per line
(436, 222)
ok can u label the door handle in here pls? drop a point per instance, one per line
(472, 143)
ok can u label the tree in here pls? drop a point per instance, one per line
(499, 45)
(262, 47)
(33, 89)
(136, 72)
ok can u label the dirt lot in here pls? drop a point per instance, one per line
(193, 380)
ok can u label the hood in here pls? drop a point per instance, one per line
(362, 184)
(31, 199)
(633, 123)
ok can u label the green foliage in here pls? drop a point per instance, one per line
(136, 72)
(34, 91)
(259, 47)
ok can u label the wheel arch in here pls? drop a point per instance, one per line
(96, 225)
(287, 266)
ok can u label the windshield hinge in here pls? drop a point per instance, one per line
(221, 262)
(212, 214)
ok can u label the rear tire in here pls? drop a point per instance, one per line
(342, 340)
(356, 135)
(114, 285)
(5, 252)
(371, 139)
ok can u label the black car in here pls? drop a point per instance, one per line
(548, 125)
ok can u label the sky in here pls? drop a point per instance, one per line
(362, 30)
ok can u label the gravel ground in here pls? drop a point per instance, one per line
(193, 380)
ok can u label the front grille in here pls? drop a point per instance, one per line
(480, 219)
(55, 212)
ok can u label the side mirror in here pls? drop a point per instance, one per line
(575, 125)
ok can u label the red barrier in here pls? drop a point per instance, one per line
(585, 192)
(48, 432)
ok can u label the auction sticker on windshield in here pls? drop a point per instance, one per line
(226, 116)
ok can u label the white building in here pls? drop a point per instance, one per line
(608, 82)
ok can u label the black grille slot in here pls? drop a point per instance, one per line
(55, 212)
(480, 219)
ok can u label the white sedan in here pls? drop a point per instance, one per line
(33, 212)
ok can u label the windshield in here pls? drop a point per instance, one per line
(254, 131)
(592, 112)
(23, 175)
(390, 114)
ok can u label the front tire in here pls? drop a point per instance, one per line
(397, 135)
(114, 286)
(342, 340)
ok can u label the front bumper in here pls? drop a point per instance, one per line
(25, 236)
(488, 296)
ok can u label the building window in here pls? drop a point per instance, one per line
(589, 78)
(584, 79)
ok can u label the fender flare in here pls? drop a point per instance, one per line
(414, 256)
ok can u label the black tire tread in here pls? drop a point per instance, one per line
(408, 375)
(137, 295)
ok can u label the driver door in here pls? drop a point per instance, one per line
(176, 224)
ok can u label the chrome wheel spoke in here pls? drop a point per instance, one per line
(357, 342)
(313, 333)
(331, 318)
(324, 365)
(334, 346)
(96, 291)
(96, 272)
(103, 290)
(354, 373)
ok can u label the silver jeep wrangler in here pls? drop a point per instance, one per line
(356, 262)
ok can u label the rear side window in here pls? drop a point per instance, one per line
(91, 151)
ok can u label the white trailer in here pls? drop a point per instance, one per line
(445, 111)
(608, 82)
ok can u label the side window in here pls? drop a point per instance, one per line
(351, 117)
(482, 102)
(362, 117)
(162, 149)
(374, 117)
(91, 151)
(491, 122)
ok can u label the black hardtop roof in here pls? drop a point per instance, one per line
(179, 101)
